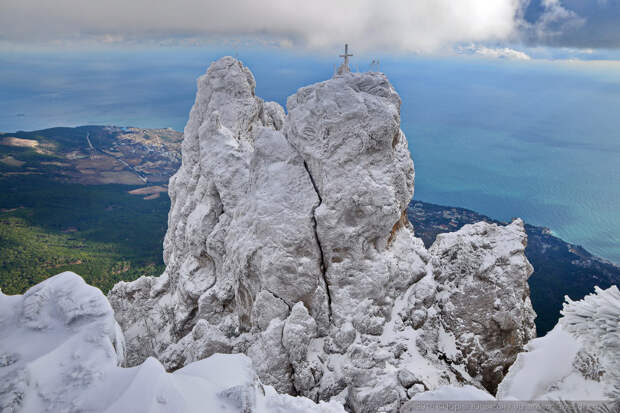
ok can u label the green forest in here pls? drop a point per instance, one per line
(99, 231)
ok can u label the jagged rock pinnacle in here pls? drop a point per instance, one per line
(288, 241)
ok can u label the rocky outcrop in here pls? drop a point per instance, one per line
(288, 241)
(221, 179)
(475, 303)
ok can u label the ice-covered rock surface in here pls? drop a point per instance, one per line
(288, 241)
(476, 299)
(61, 351)
(578, 360)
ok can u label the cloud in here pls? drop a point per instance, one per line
(494, 52)
(397, 25)
(368, 25)
(572, 23)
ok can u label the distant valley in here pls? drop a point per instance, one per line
(84, 199)
(93, 154)
(93, 200)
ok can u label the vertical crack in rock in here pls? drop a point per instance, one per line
(278, 297)
(318, 241)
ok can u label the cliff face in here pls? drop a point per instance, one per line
(288, 241)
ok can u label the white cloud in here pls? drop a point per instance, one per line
(397, 25)
(499, 53)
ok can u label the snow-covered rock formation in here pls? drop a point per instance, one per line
(476, 300)
(578, 360)
(61, 351)
(288, 241)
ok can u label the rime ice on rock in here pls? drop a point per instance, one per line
(476, 301)
(578, 360)
(288, 241)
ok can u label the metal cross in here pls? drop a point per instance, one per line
(346, 56)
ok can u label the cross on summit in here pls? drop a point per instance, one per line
(346, 55)
(345, 65)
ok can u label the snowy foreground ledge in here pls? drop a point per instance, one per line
(62, 350)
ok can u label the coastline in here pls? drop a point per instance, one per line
(125, 157)
(560, 268)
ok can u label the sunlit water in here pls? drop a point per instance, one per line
(535, 140)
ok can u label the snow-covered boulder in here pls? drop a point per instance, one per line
(58, 340)
(578, 360)
(62, 351)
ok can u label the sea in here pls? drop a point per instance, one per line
(533, 139)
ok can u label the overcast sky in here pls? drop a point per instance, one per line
(491, 27)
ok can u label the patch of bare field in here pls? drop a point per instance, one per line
(55, 163)
(99, 163)
(44, 149)
(121, 177)
(21, 173)
(10, 161)
(10, 209)
(76, 155)
(149, 190)
(19, 142)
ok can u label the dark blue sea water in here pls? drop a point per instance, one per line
(539, 140)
